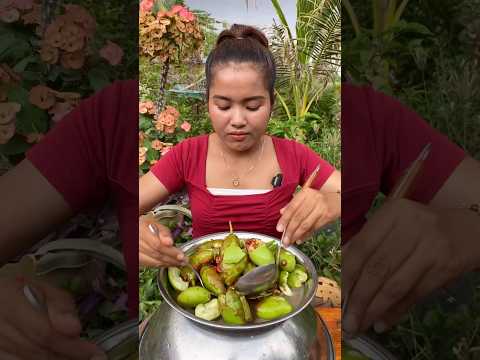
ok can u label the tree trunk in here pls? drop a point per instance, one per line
(163, 84)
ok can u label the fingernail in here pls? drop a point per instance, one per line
(350, 325)
(286, 240)
(180, 257)
(380, 327)
(167, 241)
(279, 227)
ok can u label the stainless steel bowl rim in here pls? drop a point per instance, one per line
(370, 348)
(243, 235)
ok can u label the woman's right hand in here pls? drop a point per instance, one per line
(30, 333)
(157, 251)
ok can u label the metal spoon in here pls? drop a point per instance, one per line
(265, 277)
(261, 278)
(154, 230)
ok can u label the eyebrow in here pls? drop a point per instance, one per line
(219, 97)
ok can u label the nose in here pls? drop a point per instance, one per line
(238, 119)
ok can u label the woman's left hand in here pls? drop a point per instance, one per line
(307, 212)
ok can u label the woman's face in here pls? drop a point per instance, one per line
(239, 105)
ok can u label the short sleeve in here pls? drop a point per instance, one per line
(309, 160)
(72, 154)
(170, 169)
(400, 136)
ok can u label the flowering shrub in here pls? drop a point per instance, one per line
(168, 34)
(46, 69)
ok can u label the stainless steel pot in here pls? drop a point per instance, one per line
(171, 336)
(174, 333)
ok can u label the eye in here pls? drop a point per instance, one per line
(253, 108)
(224, 108)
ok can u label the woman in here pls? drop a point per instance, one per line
(228, 174)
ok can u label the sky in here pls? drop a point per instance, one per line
(259, 13)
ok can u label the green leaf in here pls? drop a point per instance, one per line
(17, 145)
(30, 118)
(6, 41)
(22, 64)
(98, 79)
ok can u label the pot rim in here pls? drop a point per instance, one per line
(190, 245)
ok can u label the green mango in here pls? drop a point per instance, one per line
(201, 257)
(287, 261)
(261, 255)
(193, 296)
(231, 308)
(283, 283)
(273, 307)
(176, 280)
(272, 246)
(212, 244)
(233, 254)
(246, 309)
(231, 272)
(188, 275)
(230, 239)
(297, 277)
(212, 280)
(209, 311)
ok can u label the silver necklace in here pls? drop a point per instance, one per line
(236, 178)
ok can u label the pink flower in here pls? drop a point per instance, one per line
(112, 53)
(187, 15)
(176, 9)
(186, 126)
(165, 150)
(146, 5)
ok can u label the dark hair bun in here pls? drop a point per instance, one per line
(238, 32)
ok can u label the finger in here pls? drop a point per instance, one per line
(61, 307)
(363, 245)
(395, 314)
(378, 269)
(14, 340)
(299, 223)
(392, 290)
(165, 236)
(159, 261)
(288, 211)
(306, 227)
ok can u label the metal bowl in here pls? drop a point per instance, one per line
(121, 342)
(369, 348)
(171, 336)
(300, 299)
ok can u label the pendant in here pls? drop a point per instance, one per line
(236, 182)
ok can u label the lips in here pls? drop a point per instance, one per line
(238, 136)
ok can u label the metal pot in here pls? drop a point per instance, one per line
(171, 336)
(174, 333)
(121, 342)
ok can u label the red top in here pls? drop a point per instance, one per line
(185, 164)
(91, 155)
(380, 139)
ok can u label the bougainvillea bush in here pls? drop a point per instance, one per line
(50, 58)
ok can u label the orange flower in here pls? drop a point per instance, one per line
(186, 126)
(74, 60)
(159, 126)
(70, 97)
(34, 137)
(169, 129)
(142, 155)
(42, 97)
(73, 38)
(49, 54)
(157, 145)
(59, 110)
(171, 110)
(82, 17)
(112, 53)
(8, 110)
(6, 132)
